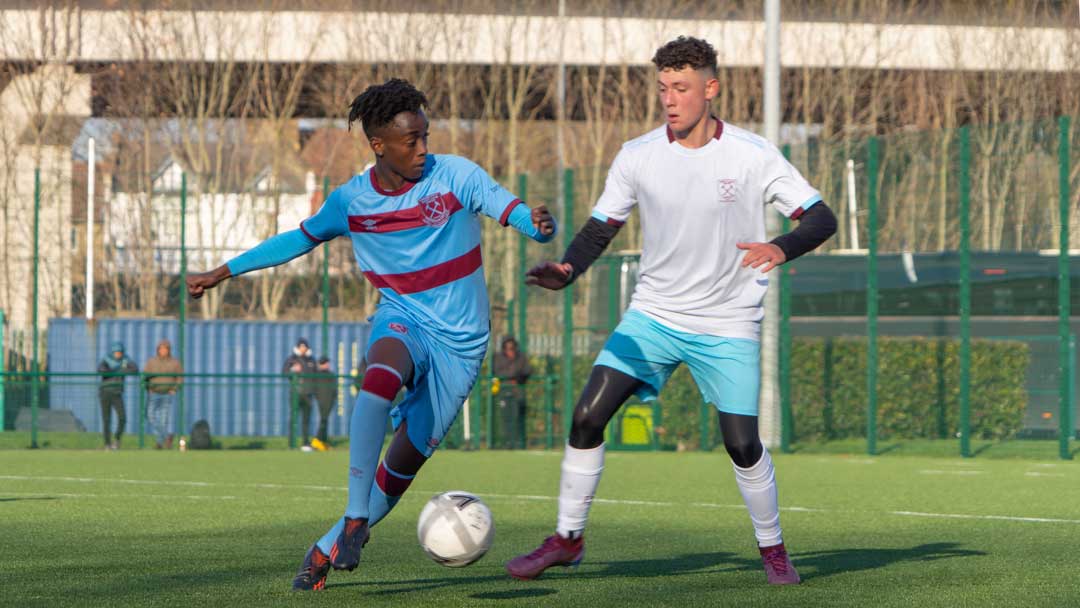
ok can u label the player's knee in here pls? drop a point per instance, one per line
(586, 430)
(744, 453)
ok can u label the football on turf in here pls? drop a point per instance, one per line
(455, 529)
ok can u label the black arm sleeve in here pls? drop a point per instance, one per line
(815, 227)
(588, 244)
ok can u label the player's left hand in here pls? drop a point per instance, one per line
(541, 218)
(762, 253)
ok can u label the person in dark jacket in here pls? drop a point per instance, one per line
(113, 368)
(512, 369)
(300, 364)
(326, 392)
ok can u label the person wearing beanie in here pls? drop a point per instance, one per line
(113, 367)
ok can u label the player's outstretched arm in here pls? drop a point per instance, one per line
(588, 244)
(273, 251)
(815, 227)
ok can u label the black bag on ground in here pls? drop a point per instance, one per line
(200, 436)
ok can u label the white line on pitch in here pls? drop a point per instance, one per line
(1038, 474)
(161, 482)
(125, 496)
(1041, 520)
(612, 501)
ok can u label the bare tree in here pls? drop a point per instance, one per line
(42, 104)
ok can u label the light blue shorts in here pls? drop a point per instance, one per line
(439, 386)
(726, 370)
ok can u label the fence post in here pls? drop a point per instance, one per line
(326, 280)
(787, 422)
(706, 444)
(568, 309)
(871, 297)
(141, 383)
(1065, 370)
(474, 415)
(965, 292)
(522, 289)
(614, 282)
(181, 337)
(489, 406)
(34, 380)
(1072, 386)
(294, 406)
(549, 413)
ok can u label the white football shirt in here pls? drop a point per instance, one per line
(695, 205)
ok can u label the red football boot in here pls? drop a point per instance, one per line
(556, 551)
(778, 566)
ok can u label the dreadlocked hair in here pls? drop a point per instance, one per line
(686, 51)
(379, 103)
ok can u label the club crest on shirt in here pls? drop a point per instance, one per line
(399, 328)
(727, 190)
(434, 210)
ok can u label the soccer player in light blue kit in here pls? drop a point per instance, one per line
(413, 220)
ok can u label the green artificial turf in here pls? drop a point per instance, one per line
(229, 528)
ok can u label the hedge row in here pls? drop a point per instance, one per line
(918, 391)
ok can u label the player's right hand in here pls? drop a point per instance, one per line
(197, 284)
(550, 275)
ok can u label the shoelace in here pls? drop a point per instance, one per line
(308, 574)
(778, 561)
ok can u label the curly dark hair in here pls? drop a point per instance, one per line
(377, 106)
(686, 51)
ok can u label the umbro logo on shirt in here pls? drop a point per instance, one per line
(727, 190)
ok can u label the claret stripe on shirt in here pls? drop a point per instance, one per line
(431, 213)
(428, 278)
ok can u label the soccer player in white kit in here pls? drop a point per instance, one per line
(701, 187)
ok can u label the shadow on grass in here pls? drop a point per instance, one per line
(827, 563)
(644, 568)
(817, 564)
(889, 448)
(515, 594)
(14, 498)
(248, 445)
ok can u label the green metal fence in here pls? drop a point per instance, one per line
(986, 188)
(990, 188)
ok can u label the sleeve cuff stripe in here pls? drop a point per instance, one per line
(607, 220)
(504, 219)
(309, 235)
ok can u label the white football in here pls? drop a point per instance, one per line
(455, 529)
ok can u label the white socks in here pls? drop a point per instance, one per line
(758, 487)
(581, 471)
